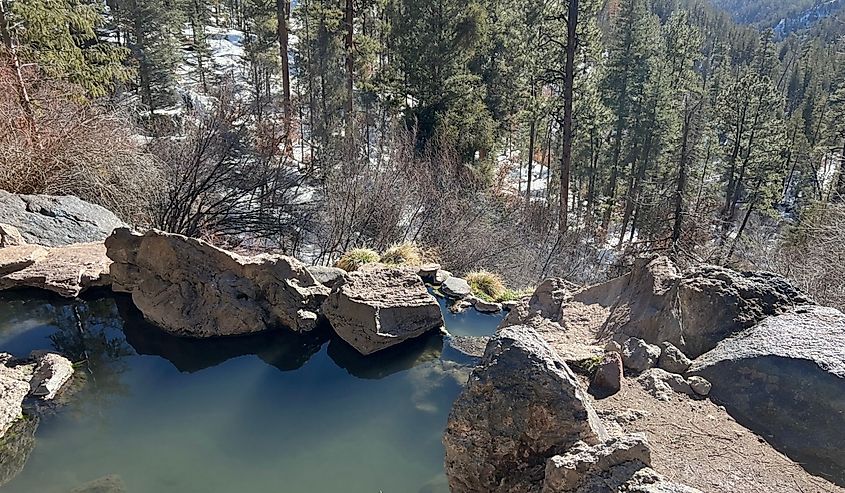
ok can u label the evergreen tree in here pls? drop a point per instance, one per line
(151, 28)
(441, 44)
(61, 37)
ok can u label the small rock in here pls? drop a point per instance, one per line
(107, 484)
(612, 347)
(700, 385)
(661, 384)
(510, 305)
(51, 373)
(639, 355)
(460, 306)
(609, 373)
(306, 321)
(469, 346)
(673, 359)
(441, 275)
(10, 236)
(428, 272)
(455, 287)
(487, 306)
(647, 480)
(327, 276)
(583, 463)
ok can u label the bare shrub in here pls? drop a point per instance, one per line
(812, 254)
(226, 179)
(71, 146)
(430, 198)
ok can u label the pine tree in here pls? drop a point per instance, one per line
(61, 37)
(440, 44)
(628, 69)
(151, 28)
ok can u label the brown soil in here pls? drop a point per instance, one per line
(694, 441)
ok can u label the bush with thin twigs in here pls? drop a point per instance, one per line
(355, 258)
(71, 146)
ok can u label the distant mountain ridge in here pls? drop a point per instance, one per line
(783, 16)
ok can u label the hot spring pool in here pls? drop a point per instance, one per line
(266, 413)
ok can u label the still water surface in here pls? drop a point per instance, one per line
(266, 413)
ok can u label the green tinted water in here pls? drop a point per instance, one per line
(265, 413)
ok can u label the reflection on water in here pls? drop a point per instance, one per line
(269, 412)
(470, 322)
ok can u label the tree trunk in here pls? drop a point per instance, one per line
(350, 67)
(197, 50)
(840, 185)
(681, 183)
(282, 16)
(23, 94)
(748, 211)
(530, 162)
(568, 83)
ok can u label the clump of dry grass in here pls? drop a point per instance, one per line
(407, 253)
(355, 258)
(486, 285)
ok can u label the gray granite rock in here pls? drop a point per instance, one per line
(56, 220)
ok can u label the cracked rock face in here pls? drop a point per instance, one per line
(54, 221)
(191, 288)
(522, 405)
(377, 307)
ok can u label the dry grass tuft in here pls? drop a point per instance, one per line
(355, 258)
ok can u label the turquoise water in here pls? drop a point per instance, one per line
(267, 413)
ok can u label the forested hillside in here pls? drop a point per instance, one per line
(526, 137)
(788, 17)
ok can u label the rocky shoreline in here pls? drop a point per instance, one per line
(527, 420)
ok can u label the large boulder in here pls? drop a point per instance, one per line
(643, 303)
(785, 379)
(191, 288)
(377, 307)
(693, 310)
(521, 406)
(716, 302)
(56, 220)
(66, 270)
(16, 446)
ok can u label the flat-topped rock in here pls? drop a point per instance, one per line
(67, 270)
(456, 288)
(191, 288)
(52, 371)
(56, 220)
(377, 307)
